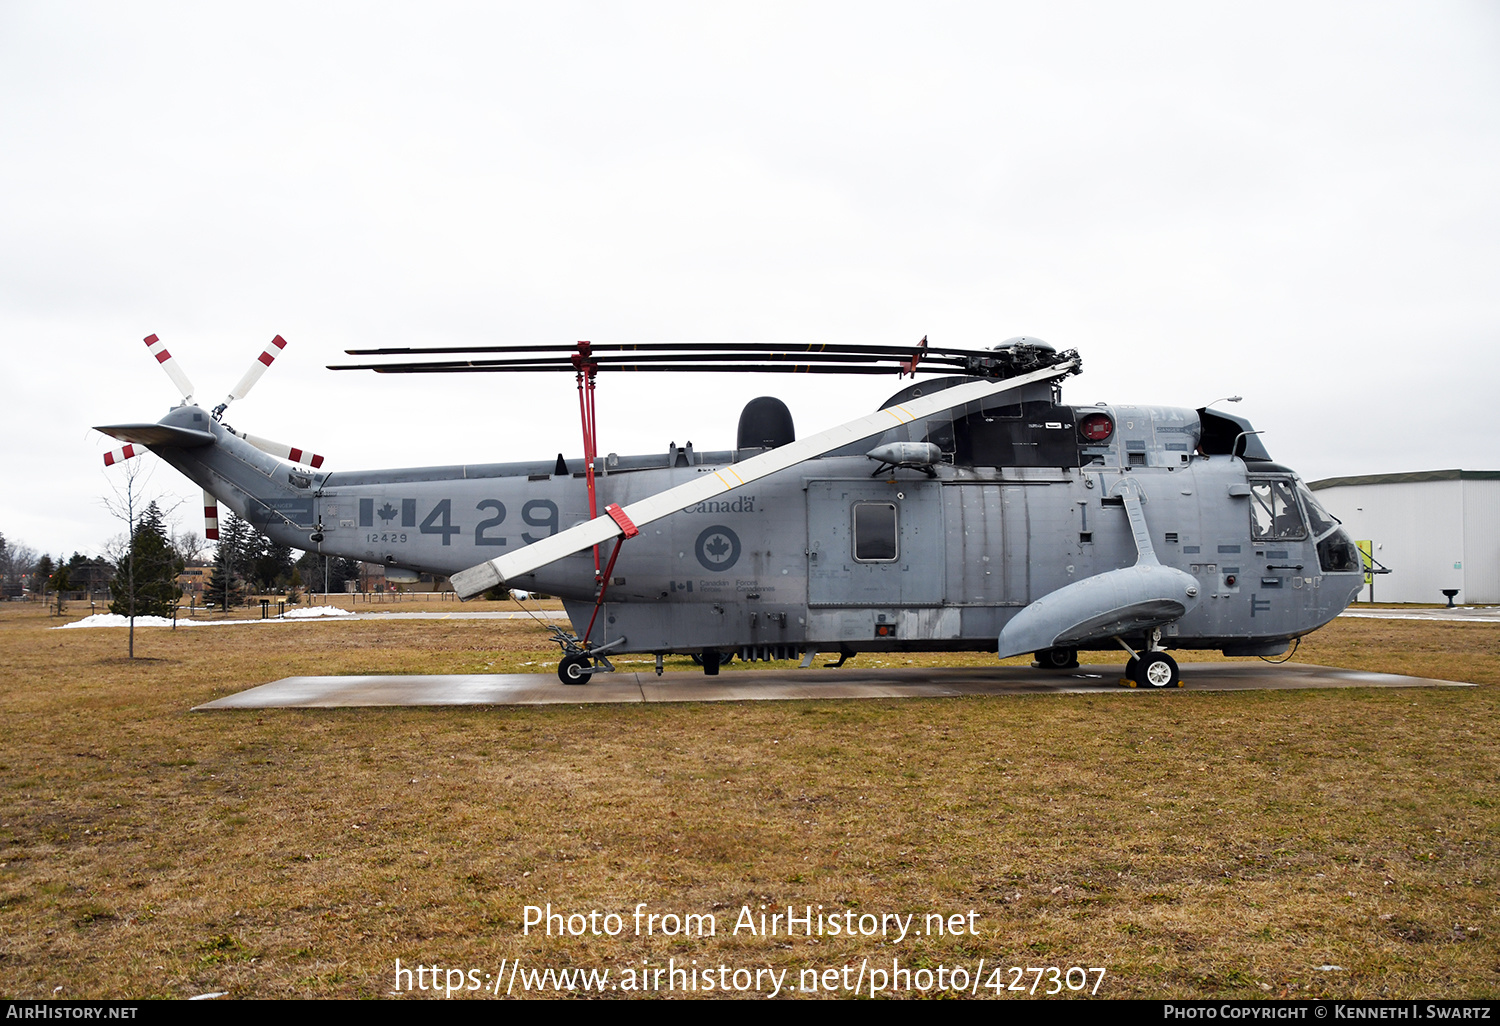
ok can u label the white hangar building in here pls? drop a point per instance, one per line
(1435, 529)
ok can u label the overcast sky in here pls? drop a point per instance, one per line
(1298, 203)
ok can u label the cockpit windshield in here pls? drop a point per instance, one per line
(1318, 519)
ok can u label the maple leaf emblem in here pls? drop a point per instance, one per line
(386, 512)
(717, 548)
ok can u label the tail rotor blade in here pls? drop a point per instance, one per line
(265, 359)
(120, 455)
(210, 518)
(168, 364)
(280, 450)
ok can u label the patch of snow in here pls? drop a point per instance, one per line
(302, 614)
(111, 620)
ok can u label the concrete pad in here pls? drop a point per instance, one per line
(1458, 614)
(780, 685)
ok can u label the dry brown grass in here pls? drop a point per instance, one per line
(1196, 844)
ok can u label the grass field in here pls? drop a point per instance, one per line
(1194, 844)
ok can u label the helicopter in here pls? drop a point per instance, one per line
(973, 511)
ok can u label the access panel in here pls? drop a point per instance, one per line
(873, 543)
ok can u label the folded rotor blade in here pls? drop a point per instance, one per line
(168, 364)
(280, 450)
(120, 455)
(1016, 356)
(478, 579)
(210, 518)
(265, 359)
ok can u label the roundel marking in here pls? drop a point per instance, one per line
(717, 548)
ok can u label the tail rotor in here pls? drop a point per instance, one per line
(294, 454)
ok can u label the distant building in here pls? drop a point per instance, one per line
(1435, 529)
(376, 577)
(194, 581)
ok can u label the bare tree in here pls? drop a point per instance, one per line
(17, 561)
(129, 503)
(188, 545)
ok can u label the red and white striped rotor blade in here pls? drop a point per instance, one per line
(168, 364)
(264, 360)
(305, 457)
(120, 455)
(210, 518)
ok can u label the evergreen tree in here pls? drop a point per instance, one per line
(145, 581)
(233, 558)
(273, 565)
(61, 581)
(41, 574)
(332, 571)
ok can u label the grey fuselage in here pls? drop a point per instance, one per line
(826, 556)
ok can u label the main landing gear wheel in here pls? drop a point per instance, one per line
(1056, 659)
(1155, 670)
(575, 669)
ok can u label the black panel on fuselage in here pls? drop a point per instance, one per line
(1029, 435)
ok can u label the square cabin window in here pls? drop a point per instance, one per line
(875, 532)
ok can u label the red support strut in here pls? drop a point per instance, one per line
(603, 587)
(586, 369)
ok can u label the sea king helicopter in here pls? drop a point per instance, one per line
(973, 511)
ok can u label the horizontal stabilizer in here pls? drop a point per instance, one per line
(1119, 602)
(158, 434)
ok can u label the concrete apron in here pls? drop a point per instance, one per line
(752, 685)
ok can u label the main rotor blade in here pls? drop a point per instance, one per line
(478, 579)
(526, 367)
(159, 350)
(663, 347)
(697, 357)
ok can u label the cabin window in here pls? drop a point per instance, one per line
(1274, 515)
(875, 532)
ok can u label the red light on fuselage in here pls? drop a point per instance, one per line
(1096, 427)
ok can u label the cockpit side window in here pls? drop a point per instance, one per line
(1274, 515)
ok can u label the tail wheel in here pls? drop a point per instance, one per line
(1057, 658)
(575, 669)
(1155, 670)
